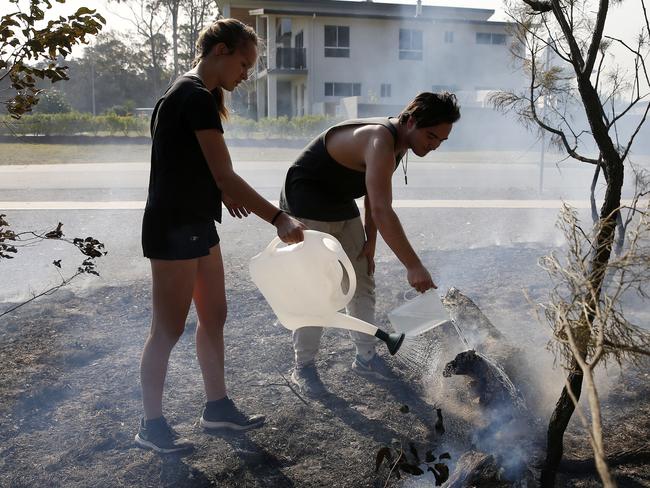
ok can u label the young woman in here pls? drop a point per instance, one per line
(191, 174)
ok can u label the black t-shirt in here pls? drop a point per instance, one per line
(181, 185)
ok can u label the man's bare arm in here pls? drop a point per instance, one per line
(380, 164)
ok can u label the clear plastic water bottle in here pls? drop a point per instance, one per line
(419, 314)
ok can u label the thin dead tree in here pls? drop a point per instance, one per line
(579, 77)
(610, 335)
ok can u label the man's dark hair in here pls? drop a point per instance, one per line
(429, 109)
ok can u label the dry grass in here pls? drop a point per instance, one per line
(22, 153)
(37, 153)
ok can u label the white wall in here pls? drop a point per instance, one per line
(374, 59)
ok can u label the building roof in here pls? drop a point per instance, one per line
(363, 9)
(303, 13)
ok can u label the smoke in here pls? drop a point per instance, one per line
(506, 437)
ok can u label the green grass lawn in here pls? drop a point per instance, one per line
(20, 153)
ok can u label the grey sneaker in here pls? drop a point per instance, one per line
(307, 380)
(375, 368)
(157, 435)
(223, 414)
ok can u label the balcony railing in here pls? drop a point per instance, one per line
(291, 58)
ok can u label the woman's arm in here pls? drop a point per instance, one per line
(217, 156)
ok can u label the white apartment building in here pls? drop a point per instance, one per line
(364, 58)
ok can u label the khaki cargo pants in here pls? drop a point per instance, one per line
(352, 237)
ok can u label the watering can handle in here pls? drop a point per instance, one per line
(352, 276)
(273, 245)
(342, 257)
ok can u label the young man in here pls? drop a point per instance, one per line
(355, 159)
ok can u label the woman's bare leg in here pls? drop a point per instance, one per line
(173, 284)
(210, 303)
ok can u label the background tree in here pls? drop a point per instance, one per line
(27, 37)
(114, 67)
(52, 102)
(149, 21)
(173, 7)
(579, 76)
(197, 13)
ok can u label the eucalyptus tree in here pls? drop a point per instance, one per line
(196, 15)
(114, 71)
(149, 20)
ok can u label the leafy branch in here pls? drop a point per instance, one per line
(11, 242)
(24, 40)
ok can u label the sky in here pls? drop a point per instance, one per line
(623, 20)
(622, 17)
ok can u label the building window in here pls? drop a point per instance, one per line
(410, 44)
(342, 89)
(449, 37)
(385, 90)
(337, 41)
(489, 38)
(283, 32)
(444, 88)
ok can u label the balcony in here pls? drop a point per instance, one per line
(290, 58)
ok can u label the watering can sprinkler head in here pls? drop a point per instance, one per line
(393, 341)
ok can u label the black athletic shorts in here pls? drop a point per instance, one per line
(167, 238)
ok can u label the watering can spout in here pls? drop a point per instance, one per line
(393, 341)
(339, 320)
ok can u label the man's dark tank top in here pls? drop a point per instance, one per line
(318, 187)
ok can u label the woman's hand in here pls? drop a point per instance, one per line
(235, 209)
(368, 251)
(289, 229)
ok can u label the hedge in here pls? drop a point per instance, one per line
(75, 123)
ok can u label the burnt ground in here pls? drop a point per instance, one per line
(70, 399)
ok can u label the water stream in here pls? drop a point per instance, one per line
(500, 373)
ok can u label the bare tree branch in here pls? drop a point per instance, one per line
(636, 52)
(596, 38)
(636, 131)
(539, 6)
(567, 30)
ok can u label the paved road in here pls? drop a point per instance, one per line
(108, 181)
(445, 206)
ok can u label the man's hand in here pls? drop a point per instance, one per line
(368, 251)
(289, 229)
(419, 278)
(234, 208)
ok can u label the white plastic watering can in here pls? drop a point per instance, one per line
(303, 285)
